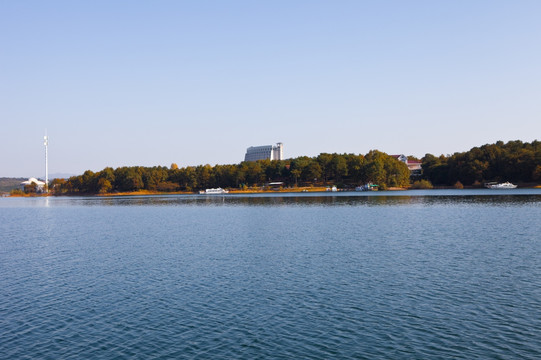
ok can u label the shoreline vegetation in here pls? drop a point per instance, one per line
(514, 161)
(254, 191)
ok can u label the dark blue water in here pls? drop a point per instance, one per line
(409, 275)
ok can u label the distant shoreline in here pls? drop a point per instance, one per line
(249, 191)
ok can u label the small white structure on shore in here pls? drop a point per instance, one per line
(40, 185)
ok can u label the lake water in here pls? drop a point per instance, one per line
(389, 275)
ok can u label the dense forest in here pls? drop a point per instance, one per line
(513, 161)
(343, 170)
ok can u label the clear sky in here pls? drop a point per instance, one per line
(122, 83)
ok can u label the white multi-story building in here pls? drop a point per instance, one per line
(271, 152)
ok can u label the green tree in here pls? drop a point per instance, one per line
(299, 169)
(339, 167)
(356, 168)
(104, 186)
(313, 171)
(537, 173)
(254, 173)
(89, 182)
(31, 188)
(375, 168)
(154, 176)
(296, 173)
(324, 161)
(58, 185)
(188, 179)
(397, 172)
(275, 170)
(128, 179)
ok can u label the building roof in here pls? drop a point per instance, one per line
(33, 180)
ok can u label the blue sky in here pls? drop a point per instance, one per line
(122, 83)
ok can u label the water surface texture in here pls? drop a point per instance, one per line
(391, 275)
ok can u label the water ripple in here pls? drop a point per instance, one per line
(360, 279)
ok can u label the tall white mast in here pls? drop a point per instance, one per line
(46, 143)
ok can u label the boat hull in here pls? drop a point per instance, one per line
(218, 191)
(503, 186)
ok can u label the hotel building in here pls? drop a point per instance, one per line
(271, 152)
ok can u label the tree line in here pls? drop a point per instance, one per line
(514, 161)
(343, 170)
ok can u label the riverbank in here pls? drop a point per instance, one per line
(306, 189)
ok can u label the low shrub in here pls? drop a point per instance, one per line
(422, 184)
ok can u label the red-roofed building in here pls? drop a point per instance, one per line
(413, 165)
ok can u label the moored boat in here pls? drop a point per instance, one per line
(217, 191)
(505, 185)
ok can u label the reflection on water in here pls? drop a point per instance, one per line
(431, 197)
(391, 198)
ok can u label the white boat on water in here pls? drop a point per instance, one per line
(217, 191)
(505, 185)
